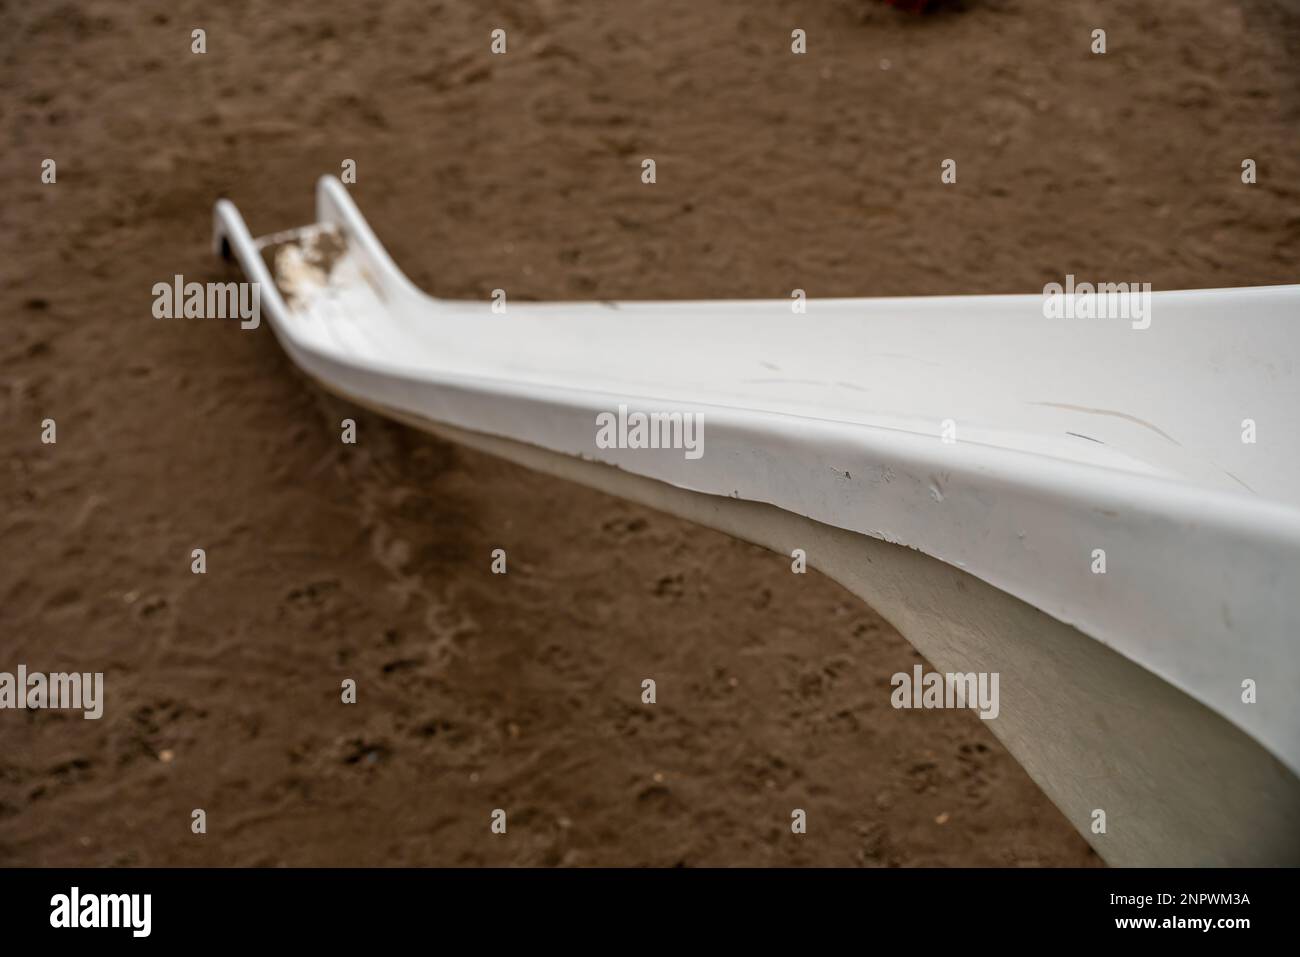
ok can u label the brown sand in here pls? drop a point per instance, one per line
(326, 562)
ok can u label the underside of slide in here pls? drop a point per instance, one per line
(1105, 512)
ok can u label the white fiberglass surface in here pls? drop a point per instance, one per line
(1167, 400)
(1073, 437)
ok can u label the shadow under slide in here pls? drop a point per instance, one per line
(1104, 512)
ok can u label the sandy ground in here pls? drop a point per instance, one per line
(372, 562)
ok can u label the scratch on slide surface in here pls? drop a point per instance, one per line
(1119, 415)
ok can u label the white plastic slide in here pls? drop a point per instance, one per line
(1105, 512)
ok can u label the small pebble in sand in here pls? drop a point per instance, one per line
(884, 63)
(942, 818)
(659, 777)
(166, 756)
